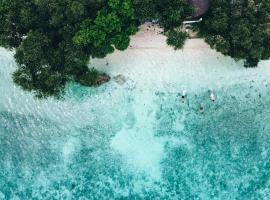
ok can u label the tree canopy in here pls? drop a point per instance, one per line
(169, 13)
(54, 39)
(176, 39)
(110, 29)
(240, 29)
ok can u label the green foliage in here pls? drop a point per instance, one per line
(89, 78)
(146, 10)
(176, 39)
(110, 29)
(172, 13)
(43, 82)
(54, 39)
(240, 29)
(169, 13)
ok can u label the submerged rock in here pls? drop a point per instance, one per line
(120, 79)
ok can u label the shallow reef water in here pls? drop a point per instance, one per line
(128, 142)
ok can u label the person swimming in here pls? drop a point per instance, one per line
(201, 108)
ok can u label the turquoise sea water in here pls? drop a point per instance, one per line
(128, 142)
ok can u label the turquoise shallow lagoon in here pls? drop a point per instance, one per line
(137, 141)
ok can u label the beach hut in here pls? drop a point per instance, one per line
(201, 7)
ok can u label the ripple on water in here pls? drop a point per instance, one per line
(125, 142)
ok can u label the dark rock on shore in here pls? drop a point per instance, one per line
(102, 78)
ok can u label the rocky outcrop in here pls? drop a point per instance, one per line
(102, 78)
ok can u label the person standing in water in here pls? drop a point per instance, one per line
(212, 96)
(182, 98)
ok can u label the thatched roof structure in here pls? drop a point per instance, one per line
(201, 7)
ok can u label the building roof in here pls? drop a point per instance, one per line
(201, 7)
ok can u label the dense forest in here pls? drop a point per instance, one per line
(240, 29)
(54, 39)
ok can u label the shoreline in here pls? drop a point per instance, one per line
(152, 64)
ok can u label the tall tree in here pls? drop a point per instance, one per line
(109, 30)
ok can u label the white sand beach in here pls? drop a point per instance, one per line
(150, 61)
